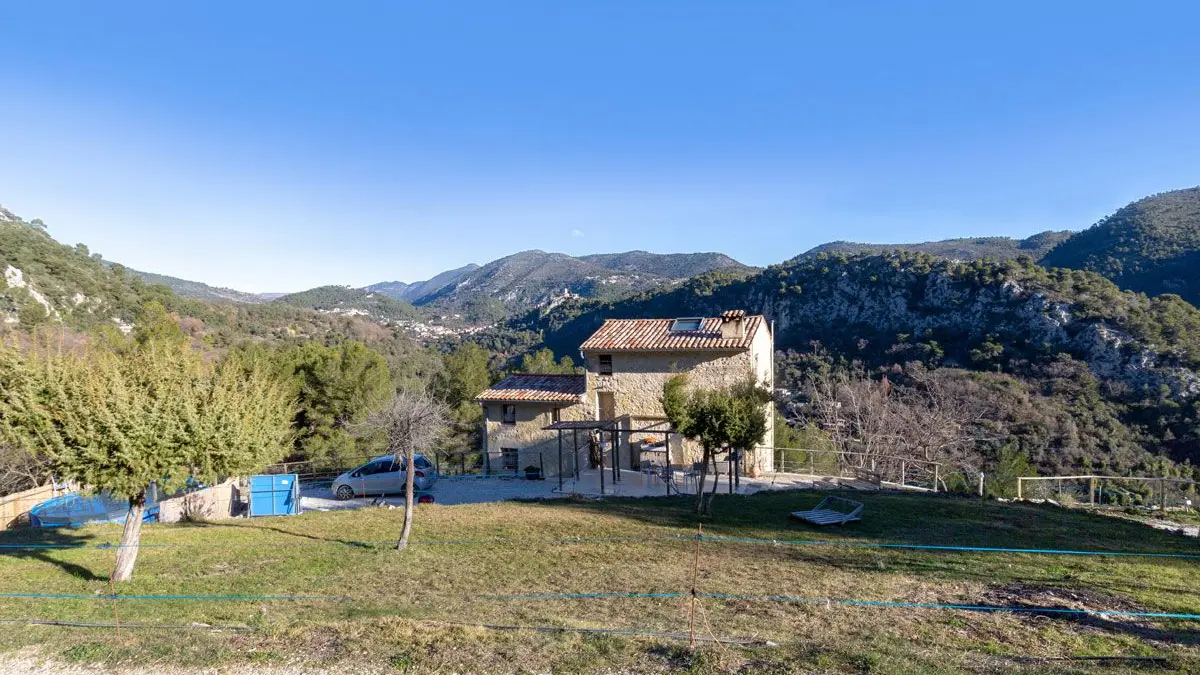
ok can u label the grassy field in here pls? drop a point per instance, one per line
(422, 610)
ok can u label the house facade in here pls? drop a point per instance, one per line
(629, 360)
(516, 411)
(627, 363)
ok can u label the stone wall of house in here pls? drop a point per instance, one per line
(535, 446)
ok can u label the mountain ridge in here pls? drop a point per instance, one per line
(1151, 245)
(962, 248)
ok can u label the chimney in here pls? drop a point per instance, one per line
(733, 324)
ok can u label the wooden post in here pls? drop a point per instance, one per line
(812, 463)
(903, 472)
(1018, 487)
(936, 476)
(601, 453)
(1162, 496)
(616, 458)
(980, 483)
(1092, 490)
(667, 468)
(695, 577)
(729, 465)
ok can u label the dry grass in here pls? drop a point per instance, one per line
(405, 609)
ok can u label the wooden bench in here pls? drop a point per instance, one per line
(832, 511)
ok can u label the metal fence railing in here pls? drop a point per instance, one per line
(873, 468)
(468, 463)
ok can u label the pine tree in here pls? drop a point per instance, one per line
(155, 412)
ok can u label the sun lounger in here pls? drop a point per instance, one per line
(832, 511)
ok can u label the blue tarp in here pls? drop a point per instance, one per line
(77, 509)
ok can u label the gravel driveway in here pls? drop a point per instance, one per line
(447, 491)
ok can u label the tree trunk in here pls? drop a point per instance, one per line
(700, 482)
(131, 536)
(716, 484)
(409, 488)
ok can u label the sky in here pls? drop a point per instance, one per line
(276, 146)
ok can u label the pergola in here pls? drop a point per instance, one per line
(613, 427)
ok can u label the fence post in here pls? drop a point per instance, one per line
(812, 463)
(903, 472)
(1019, 481)
(1162, 495)
(980, 483)
(1092, 490)
(936, 473)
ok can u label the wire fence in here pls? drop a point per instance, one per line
(691, 592)
(449, 464)
(1112, 492)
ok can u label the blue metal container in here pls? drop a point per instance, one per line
(277, 495)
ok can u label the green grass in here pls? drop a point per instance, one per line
(419, 611)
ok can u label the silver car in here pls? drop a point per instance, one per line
(383, 475)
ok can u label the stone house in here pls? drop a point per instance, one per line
(515, 412)
(627, 363)
(629, 360)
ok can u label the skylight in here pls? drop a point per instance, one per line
(686, 324)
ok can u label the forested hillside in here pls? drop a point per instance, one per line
(1151, 246)
(966, 249)
(195, 289)
(348, 301)
(338, 368)
(417, 290)
(531, 279)
(1080, 372)
(45, 280)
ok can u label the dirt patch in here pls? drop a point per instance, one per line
(1088, 600)
(1019, 594)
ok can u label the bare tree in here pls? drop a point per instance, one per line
(927, 419)
(411, 422)
(21, 469)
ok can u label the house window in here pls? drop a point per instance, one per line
(508, 459)
(606, 364)
(510, 415)
(556, 415)
(687, 324)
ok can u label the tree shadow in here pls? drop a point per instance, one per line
(890, 517)
(280, 530)
(42, 544)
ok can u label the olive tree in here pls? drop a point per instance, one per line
(411, 422)
(729, 418)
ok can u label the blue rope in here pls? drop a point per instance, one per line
(840, 601)
(942, 547)
(69, 596)
(674, 537)
(431, 542)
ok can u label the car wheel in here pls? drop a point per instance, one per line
(345, 492)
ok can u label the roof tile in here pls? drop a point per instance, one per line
(655, 335)
(536, 388)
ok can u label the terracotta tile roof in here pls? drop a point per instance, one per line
(655, 335)
(537, 388)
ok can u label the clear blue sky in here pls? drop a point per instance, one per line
(277, 146)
